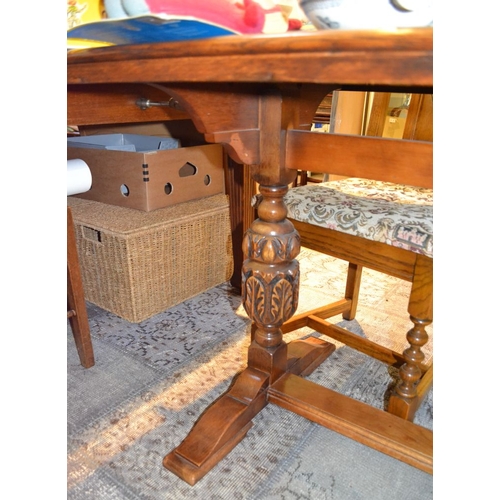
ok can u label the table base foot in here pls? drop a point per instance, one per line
(220, 428)
(304, 356)
(191, 473)
(225, 423)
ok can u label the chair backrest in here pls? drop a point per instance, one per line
(390, 160)
(403, 161)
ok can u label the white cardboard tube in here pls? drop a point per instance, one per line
(79, 177)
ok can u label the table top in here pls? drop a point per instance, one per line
(398, 58)
(257, 94)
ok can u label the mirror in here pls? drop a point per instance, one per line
(377, 114)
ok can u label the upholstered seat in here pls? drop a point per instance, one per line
(394, 214)
(386, 227)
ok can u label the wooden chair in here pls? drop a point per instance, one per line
(412, 261)
(77, 310)
(304, 178)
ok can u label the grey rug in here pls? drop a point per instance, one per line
(152, 380)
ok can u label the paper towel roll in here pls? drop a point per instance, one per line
(79, 177)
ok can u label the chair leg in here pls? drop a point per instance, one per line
(353, 284)
(303, 177)
(409, 393)
(77, 310)
(346, 306)
(413, 387)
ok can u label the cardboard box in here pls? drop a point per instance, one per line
(147, 172)
(136, 264)
(125, 142)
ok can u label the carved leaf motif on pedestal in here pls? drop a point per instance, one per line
(268, 299)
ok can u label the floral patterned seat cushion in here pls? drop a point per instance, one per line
(394, 214)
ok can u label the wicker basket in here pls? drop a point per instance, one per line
(136, 264)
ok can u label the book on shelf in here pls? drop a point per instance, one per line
(142, 29)
(97, 23)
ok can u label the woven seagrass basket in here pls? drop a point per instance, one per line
(136, 264)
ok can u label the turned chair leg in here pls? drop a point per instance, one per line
(413, 386)
(415, 379)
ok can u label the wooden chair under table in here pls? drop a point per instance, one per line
(412, 261)
(404, 166)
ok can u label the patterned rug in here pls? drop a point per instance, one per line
(152, 380)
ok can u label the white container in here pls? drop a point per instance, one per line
(368, 14)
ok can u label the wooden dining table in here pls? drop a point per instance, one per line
(257, 96)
